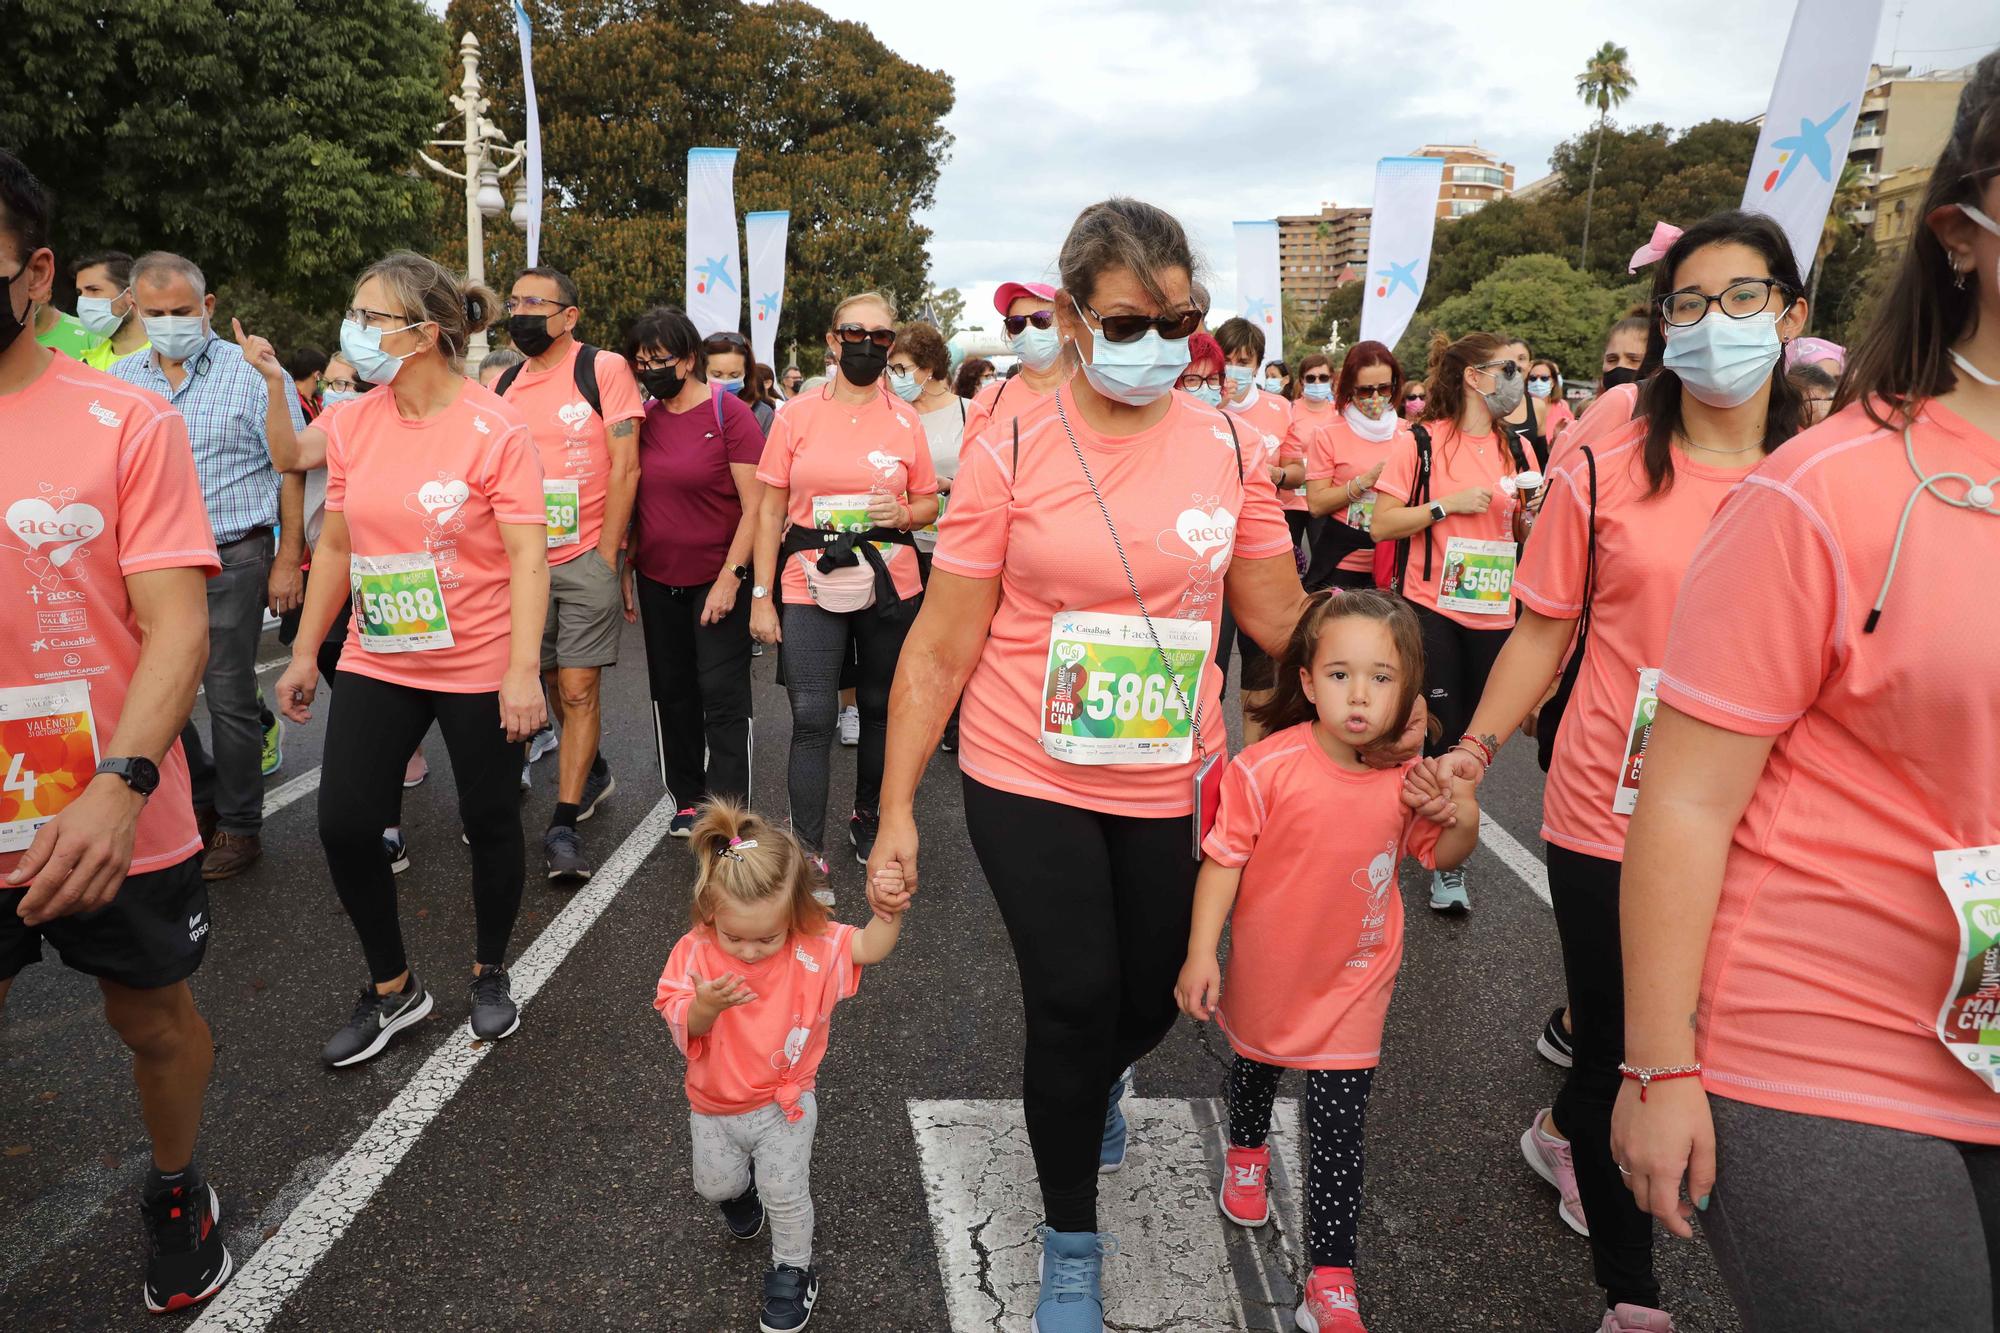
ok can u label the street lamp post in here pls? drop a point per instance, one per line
(484, 147)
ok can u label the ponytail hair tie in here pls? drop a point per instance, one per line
(734, 844)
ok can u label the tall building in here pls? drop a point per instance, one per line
(1473, 178)
(1318, 252)
(1901, 127)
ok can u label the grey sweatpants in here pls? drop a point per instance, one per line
(1831, 1226)
(727, 1147)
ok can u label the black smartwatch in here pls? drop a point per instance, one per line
(742, 573)
(140, 774)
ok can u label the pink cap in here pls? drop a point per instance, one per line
(1011, 292)
(1814, 350)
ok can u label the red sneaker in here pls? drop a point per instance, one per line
(1245, 1199)
(1331, 1305)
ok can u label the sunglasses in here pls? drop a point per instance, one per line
(1539, 379)
(1319, 379)
(1015, 324)
(1505, 370)
(854, 333)
(1131, 328)
(1377, 391)
(1414, 400)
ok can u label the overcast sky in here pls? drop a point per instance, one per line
(1237, 109)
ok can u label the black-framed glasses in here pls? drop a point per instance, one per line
(1041, 319)
(1193, 382)
(1131, 328)
(854, 333)
(649, 360)
(533, 305)
(1369, 391)
(1540, 379)
(1322, 377)
(1501, 370)
(1414, 400)
(1740, 300)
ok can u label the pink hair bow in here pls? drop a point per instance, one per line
(1664, 236)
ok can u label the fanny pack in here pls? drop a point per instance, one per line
(839, 580)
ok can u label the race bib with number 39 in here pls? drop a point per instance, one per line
(1478, 577)
(1108, 699)
(560, 497)
(398, 605)
(48, 754)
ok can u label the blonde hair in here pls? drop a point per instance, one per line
(429, 292)
(861, 298)
(748, 860)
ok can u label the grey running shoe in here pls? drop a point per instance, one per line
(376, 1019)
(1448, 893)
(494, 1013)
(597, 788)
(563, 846)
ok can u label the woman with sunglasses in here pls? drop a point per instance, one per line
(1638, 484)
(1079, 756)
(1810, 876)
(847, 477)
(1028, 316)
(1528, 423)
(1416, 397)
(1348, 453)
(1459, 536)
(1312, 412)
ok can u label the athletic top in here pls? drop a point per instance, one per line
(1834, 945)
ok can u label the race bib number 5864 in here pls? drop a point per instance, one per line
(1107, 698)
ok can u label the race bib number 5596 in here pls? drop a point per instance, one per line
(1107, 698)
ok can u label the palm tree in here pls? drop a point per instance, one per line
(1850, 195)
(1606, 82)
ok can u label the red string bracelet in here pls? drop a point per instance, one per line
(1645, 1078)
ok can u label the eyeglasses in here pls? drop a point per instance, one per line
(1130, 328)
(1319, 379)
(1505, 370)
(342, 385)
(646, 361)
(380, 319)
(901, 368)
(854, 333)
(1193, 382)
(533, 305)
(1368, 390)
(1740, 300)
(1041, 319)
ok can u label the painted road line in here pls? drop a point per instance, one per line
(1180, 1266)
(262, 668)
(282, 795)
(1518, 858)
(277, 1268)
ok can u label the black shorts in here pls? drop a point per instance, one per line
(152, 934)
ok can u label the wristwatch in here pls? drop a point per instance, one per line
(742, 573)
(759, 590)
(142, 775)
(1437, 511)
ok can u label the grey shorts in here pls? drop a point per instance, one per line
(586, 614)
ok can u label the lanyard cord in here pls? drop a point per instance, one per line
(1979, 498)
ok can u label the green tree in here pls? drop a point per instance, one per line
(266, 140)
(1850, 194)
(1606, 81)
(1560, 312)
(942, 307)
(829, 123)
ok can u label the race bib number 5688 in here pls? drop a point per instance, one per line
(398, 604)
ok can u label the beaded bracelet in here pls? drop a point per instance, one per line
(1485, 751)
(1645, 1078)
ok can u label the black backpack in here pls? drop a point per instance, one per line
(1552, 711)
(586, 378)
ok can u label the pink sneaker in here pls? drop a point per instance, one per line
(1550, 1156)
(1245, 1199)
(1331, 1305)
(1636, 1319)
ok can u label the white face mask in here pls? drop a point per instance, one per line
(176, 337)
(1037, 348)
(95, 314)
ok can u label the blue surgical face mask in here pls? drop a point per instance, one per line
(728, 386)
(1723, 361)
(362, 348)
(1319, 393)
(1137, 372)
(1271, 385)
(176, 337)
(331, 397)
(1538, 387)
(905, 386)
(95, 314)
(1239, 375)
(1037, 348)
(1213, 397)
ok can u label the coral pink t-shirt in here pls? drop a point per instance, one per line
(769, 1050)
(1339, 455)
(1183, 511)
(573, 440)
(1458, 462)
(99, 484)
(1270, 415)
(1644, 544)
(822, 447)
(1009, 397)
(1316, 935)
(1834, 946)
(440, 488)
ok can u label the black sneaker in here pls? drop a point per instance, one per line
(186, 1261)
(861, 831)
(398, 854)
(682, 824)
(563, 846)
(1554, 1043)
(950, 742)
(597, 788)
(745, 1214)
(376, 1019)
(789, 1294)
(494, 1013)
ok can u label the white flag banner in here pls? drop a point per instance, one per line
(1811, 118)
(764, 243)
(526, 32)
(714, 277)
(1257, 294)
(1399, 244)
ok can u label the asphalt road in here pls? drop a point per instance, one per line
(544, 1183)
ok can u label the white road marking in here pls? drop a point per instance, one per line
(276, 1269)
(1180, 1268)
(262, 667)
(1518, 858)
(282, 795)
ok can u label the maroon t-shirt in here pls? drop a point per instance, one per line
(687, 509)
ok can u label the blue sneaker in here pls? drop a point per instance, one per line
(1448, 893)
(1111, 1154)
(1071, 1300)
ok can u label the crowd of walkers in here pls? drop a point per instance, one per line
(1718, 601)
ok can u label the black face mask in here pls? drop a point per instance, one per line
(10, 323)
(663, 383)
(1622, 375)
(530, 333)
(862, 363)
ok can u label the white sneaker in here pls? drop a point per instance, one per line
(542, 743)
(850, 726)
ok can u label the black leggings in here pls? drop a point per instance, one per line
(1457, 662)
(1336, 1115)
(700, 676)
(1584, 892)
(371, 729)
(816, 645)
(1098, 908)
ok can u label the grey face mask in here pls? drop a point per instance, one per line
(1507, 391)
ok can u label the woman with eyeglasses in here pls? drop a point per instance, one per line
(847, 479)
(1028, 316)
(1628, 505)
(435, 532)
(1447, 496)
(1348, 451)
(1071, 562)
(1809, 890)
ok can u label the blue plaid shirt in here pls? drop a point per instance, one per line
(224, 401)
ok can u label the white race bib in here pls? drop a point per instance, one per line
(1107, 698)
(1478, 577)
(48, 755)
(398, 605)
(565, 507)
(1968, 1022)
(1638, 735)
